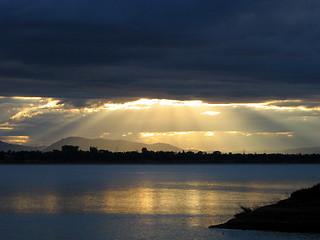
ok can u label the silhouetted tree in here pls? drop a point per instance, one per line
(70, 148)
(93, 150)
(216, 153)
(144, 150)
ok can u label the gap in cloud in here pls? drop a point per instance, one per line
(195, 124)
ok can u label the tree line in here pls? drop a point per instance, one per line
(72, 155)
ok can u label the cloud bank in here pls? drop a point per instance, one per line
(217, 51)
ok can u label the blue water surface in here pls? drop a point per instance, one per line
(69, 202)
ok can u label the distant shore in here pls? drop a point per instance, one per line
(71, 155)
(298, 213)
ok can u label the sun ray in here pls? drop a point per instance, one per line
(187, 124)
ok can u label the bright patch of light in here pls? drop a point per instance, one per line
(272, 105)
(170, 134)
(148, 103)
(135, 105)
(209, 134)
(34, 110)
(248, 134)
(104, 135)
(26, 98)
(127, 134)
(51, 104)
(16, 139)
(179, 133)
(211, 113)
(147, 134)
(7, 126)
(289, 134)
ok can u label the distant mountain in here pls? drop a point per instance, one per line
(111, 145)
(14, 147)
(307, 150)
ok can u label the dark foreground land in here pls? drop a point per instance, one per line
(71, 155)
(299, 213)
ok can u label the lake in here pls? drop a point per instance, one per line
(72, 202)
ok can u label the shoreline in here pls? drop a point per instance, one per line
(299, 213)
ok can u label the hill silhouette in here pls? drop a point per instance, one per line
(110, 145)
(14, 147)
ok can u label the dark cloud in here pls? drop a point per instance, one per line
(216, 50)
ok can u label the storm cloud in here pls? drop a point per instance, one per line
(219, 51)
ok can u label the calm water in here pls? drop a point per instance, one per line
(64, 202)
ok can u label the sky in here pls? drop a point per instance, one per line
(198, 74)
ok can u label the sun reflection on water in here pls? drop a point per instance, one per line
(197, 199)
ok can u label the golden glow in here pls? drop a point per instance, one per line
(104, 135)
(179, 133)
(152, 134)
(36, 105)
(139, 104)
(7, 126)
(211, 113)
(148, 103)
(218, 139)
(247, 134)
(149, 134)
(26, 98)
(185, 124)
(127, 134)
(16, 139)
(289, 134)
(179, 139)
(273, 106)
(31, 110)
(209, 134)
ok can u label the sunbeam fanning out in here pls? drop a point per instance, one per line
(196, 125)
